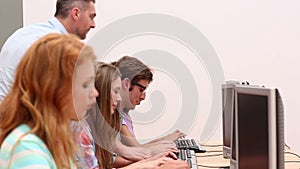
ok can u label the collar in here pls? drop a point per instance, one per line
(57, 24)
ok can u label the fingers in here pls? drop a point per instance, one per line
(180, 134)
(169, 144)
(167, 149)
(159, 155)
(176, 135)
(175, 164)
(168, 154)
(172, 155)
(160, 163)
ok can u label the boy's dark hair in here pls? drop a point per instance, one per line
(133, 69)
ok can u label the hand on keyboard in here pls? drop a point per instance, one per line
(162, 146)
(159, 161)
(189, 156)
(189, 144)
(175, 164)
(174, 136)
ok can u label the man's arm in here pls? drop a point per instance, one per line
(127, 137)
(160, 161)
(158, 146)
(171, 137)
(121, 162)
(132, 153)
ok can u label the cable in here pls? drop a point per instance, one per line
(217, 151)
(210, 155)
(292, 161)
(206, 166)
(216, 145)
(287, 146)
(292, 154)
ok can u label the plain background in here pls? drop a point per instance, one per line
(257, 41)
(11, 15)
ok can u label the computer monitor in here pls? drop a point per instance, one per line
(228, 109)
(227, 112)
(258, 132)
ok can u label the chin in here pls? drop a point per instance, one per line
(133, 107)
(82, 36)
(82, 116)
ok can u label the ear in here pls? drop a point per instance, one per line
(75, 13)
(126, 83)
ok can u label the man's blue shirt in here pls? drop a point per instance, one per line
(16, 46)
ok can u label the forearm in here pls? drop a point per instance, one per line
(121, 162)
(157, 140)
(130, 141)
(119, 147)
(132, 153)
(170, 137)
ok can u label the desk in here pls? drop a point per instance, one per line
(213, 158)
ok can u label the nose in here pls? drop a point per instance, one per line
(94, 93)
(119, 98)
(143, 96)
(93, 24)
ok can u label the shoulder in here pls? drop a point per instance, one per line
(85, 153)
(84, 132)
(127, 120)
(25, 150)
(34, 31)
(17, 43)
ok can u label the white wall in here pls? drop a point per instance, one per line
(257, 41)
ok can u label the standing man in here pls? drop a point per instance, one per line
(136, 77)
(71, 16)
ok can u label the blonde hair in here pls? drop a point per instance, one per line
(42, 91)
(105, 74)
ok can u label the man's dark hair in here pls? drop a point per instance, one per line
(133, 69)
(63, 7)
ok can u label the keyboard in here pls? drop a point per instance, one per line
(190, 144)
(189, 156)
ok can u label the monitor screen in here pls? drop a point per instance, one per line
(257, 135)
(253, 129)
